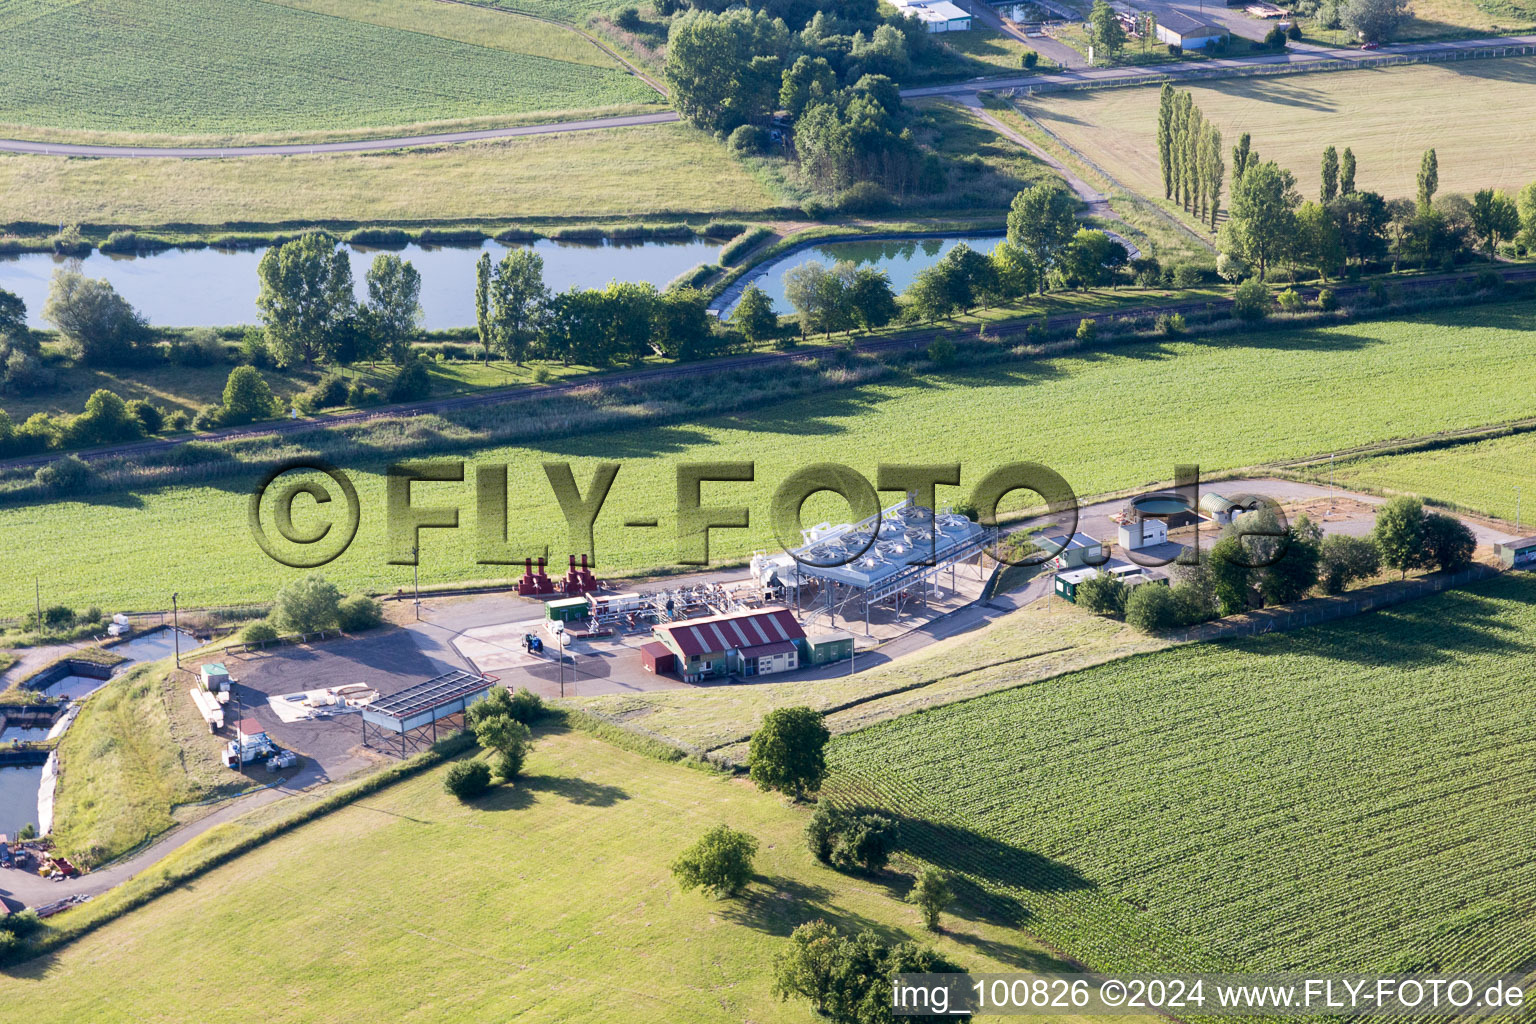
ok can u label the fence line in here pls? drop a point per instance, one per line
(1258, 70)
(1317, 611)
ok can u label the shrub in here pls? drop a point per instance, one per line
(527, 707)
(411, 383)
(380, 237)
(247, 398)
(941, 351)
(307, 605)
(1290, 300)
(743, 243)
(1294, 32)
(69, 475)
(1448, 542)
(1029, 60)
(208, 418)
(540, 374)
(1275, 38)
(748, 140)
(509, 762)
(1231, 268)
(151, 417)
(262, 632)
(1175, 50)
(360, 394)
(1146, 271)
(627, 18)
(359, 612)
(864, 197)
(178, 420)
(1346, 560)
(199, 347)
(1151, 608)
(1087, 330)
(1327, 301)
(1186, 275)
(788, 751)
(1102, 595)
(468, 779)
(814, 209)
(1171, 325)
(720, 228)
(1488, 281)
(1250, 302)
(253, 348)
(720, 863)
(106, 419)
(327, 392)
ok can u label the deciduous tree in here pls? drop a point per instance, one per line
(788, 751)
(519, 298)
(394, 305)
(305, 299)
(1042, 222)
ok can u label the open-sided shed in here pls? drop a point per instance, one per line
(412, 712)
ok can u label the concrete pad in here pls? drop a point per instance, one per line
(499, 647)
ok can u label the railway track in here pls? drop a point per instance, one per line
(907, 341)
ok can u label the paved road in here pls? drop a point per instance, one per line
(1203, 69)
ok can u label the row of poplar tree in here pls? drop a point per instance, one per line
(1189, 153)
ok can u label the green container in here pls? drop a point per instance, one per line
(567, 609)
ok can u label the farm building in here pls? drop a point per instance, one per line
(1179, 29)
(1517, 554)
(936, 15)
(1075, 551)
(826, 645)
(752, 643)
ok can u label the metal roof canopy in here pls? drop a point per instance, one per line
(450, 692)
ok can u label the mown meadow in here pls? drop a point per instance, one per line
(1347, 797)
(1106, 420)
(250, 66)
(1496, 477)
(548, 900)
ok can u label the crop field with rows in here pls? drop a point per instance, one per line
(1495, 477)
(1199, 401)
(250, 66)
(1348, 797)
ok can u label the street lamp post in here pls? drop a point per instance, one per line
(416, 577)
(560, 657)
(176, 627)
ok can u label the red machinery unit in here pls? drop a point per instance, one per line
(534, 583)
(579, 581)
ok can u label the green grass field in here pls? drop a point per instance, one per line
(1387, 116)
(1222, 403)
(615, 173)
(548, 901)
(230, 67)
(1492, 477)
(1342, 798)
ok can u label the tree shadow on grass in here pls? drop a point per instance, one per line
(777, 905)
(525, 792)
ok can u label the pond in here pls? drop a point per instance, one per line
(18, 797)
(901, 258)
(218, 287)
(19, 733)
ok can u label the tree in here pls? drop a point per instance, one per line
(803, 289)
(509, 738)
(1105, 30)
(931, 894)
(106, 419)
(1151, 608)
(1240, 156)
(1347, 173)
(809, 80)
(930, 296)
(99, 327)
(848, 979)
(1262, 217)
(483, 304)
(1344, 560)
(247, 398)
(720, 863)
(1250, 300)
(725, 70)
(13, 314)
(1212, 169)
(1374, 21)
(1086, 261)
(1362, 219)
(850, 840)
(1290, 576)
(1448, 542)
(1229, 568)
(1399, 534)
(871, 299)
(1013, 273)
(1429, 178)
(1318, 243)
(307, 605)
(967, 274)
(1165, 137)
(1042, 222)
(755, 316)
(788, 751)
(306, 296)
(1495, 217)
(1330, 174)
(1526, 203)
(518, 299)
(394, 305)
(681, 326)
(467, 779)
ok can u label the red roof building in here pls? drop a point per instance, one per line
(748, 643)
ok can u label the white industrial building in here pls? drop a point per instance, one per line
(936, 15)
(1180, 29)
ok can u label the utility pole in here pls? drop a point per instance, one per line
(416, 576)
(176, 627)
(1517, 510)
(37, 596)
(560, 657)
